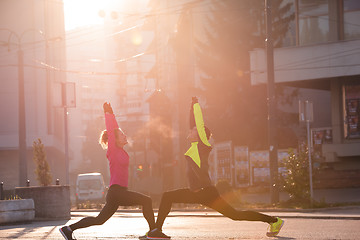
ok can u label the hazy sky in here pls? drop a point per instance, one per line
(79, 13)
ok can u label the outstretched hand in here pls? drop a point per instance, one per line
(194, 100)
(107, 108)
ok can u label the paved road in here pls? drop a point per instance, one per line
(340, 223)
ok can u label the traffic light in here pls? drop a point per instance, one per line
(140, 168)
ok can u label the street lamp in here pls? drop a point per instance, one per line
(21, 88)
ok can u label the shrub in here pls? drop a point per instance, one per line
(15, 197)
(296, 179)
(42, 170)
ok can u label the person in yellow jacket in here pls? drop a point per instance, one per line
(201, 190)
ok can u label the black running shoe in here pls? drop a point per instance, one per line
(157, 234)
(66, 232)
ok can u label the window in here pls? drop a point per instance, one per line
(290, 36)
(90, 185)
(313, 21)
(351, 111)
(351, 19)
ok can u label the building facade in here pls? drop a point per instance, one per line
(324, 56)
(32, 44)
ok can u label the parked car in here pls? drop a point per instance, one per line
(90, 188)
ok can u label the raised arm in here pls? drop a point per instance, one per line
(196, 119)
(110, 123)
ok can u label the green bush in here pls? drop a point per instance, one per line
(296, 179)
(42, 170)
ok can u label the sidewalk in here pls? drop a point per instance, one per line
(348, 212)
(342, 195)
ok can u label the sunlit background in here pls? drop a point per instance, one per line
(149, 57)
(82, 13)
(87, 13)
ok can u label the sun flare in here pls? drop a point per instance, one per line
(80, 13)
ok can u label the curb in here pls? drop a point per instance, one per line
(288, 210)
(324, 213)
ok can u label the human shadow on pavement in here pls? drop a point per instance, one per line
(33, 226)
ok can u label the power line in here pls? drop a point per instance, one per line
(46, 67)
(290, 66)
(299, 63)
(168, 10)
(104, 37)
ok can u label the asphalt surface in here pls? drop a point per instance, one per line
(181, 224)
(329, 223)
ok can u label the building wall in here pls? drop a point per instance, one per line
(307, 63)
(38, 28)
(326, 63)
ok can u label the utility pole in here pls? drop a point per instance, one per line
(68, 101)
(22, 124)
(66, 135)
(272, 126)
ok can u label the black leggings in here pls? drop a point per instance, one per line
(210, 197)
(119, 196)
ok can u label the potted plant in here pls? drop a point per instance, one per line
(51, 201)
(42, 170)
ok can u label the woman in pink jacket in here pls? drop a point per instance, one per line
(113, 139)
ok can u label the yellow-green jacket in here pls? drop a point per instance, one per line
(197, 155)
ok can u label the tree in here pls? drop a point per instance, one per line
(42, 170)
(233, 29)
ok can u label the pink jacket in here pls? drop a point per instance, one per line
(118, 157)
